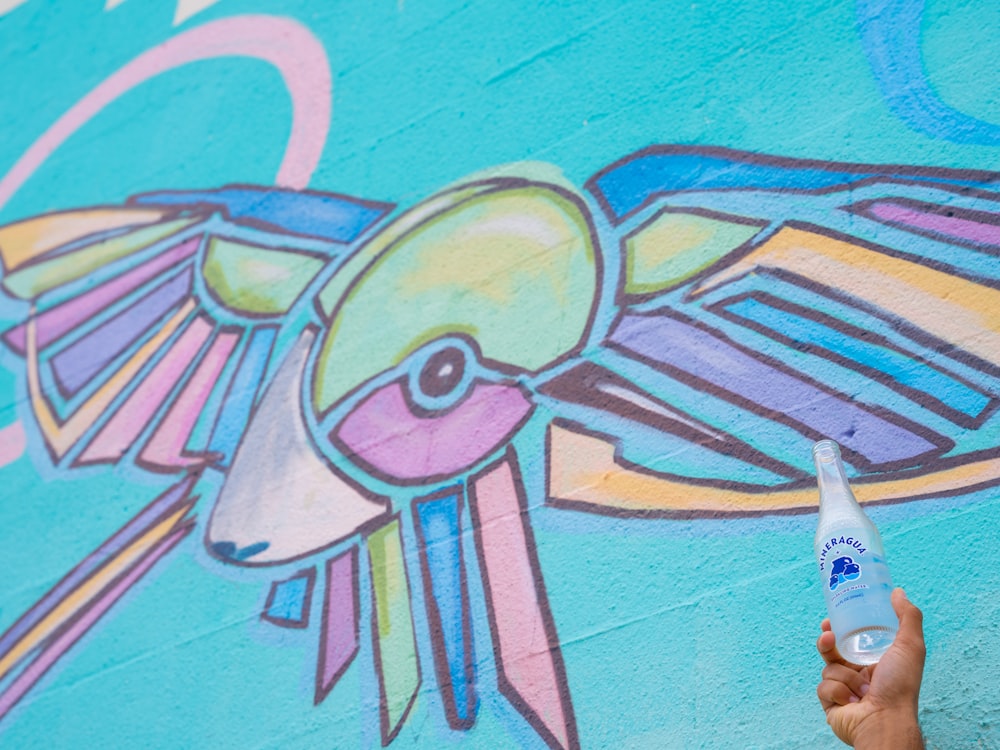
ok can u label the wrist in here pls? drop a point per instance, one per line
(889, 730)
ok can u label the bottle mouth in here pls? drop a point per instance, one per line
(826, 451)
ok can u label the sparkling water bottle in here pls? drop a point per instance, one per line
(852, 567)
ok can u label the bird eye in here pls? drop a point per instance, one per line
(441, 375)
(444, 416)
(442, 372)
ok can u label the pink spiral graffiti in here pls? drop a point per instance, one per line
(286, 44)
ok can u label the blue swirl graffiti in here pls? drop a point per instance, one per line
(890, 35)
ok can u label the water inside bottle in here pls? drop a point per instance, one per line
(866, 646)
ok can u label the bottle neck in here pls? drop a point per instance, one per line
(835, 495)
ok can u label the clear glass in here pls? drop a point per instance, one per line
(853, 570)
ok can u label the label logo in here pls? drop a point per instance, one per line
(844, 570)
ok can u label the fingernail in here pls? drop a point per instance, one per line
(853, 699)
(864, 689)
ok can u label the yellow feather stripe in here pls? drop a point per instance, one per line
(961, 312)
(80, 598)
(583, 469)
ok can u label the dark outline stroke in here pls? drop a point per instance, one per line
(94, 237)
(749, 489)
(940, 443)
(322, 688)
(363, 529)
(265, 226)
(341, 447)
(976, 216)
(253, 315)
(868, 337)
(310, 575)
(504, 685)
(577, 386)
(441, 666)
(622, 297)
(494, 185)
(390, 733)
(863, 171)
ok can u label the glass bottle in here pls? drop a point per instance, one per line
(853, 570)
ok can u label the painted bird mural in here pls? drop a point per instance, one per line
(353, 391)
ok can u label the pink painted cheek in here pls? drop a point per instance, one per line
(385, 437)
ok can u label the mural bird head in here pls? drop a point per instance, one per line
(417, 376)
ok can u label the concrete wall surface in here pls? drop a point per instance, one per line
(426, 374)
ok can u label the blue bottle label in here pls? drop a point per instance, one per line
(856, 581)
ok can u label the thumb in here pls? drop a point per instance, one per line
(911, 622)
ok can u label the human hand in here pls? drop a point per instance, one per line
(876, 706)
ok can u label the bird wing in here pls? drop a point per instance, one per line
(761, 304)
(149, 329)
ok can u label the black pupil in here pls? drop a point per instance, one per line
(442, 372)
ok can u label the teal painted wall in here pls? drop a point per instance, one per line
(675, 607)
